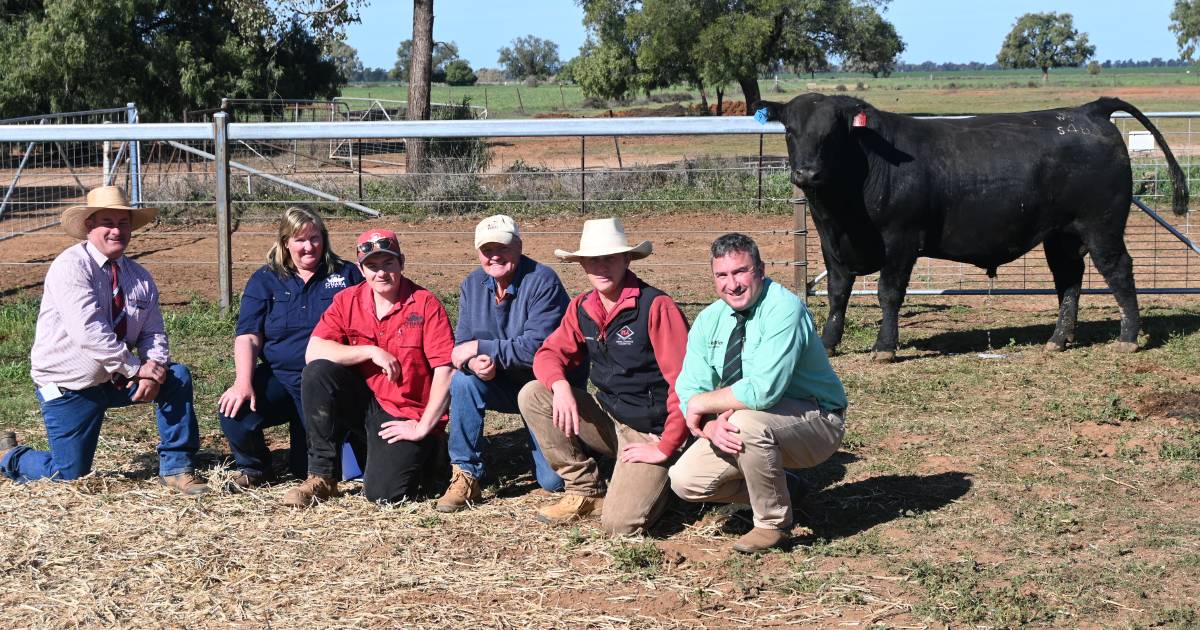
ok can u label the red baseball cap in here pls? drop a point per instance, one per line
(376, 241)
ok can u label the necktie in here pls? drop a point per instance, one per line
(733, 351)
(118, 302)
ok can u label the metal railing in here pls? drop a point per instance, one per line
(221, 136)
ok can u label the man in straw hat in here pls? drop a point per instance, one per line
(506, 309)
(758, 391)
(378, 368)
(98, 308)
(631, 334)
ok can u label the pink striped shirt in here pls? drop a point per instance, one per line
(74, 346)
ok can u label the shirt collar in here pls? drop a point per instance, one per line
(100, 259)
(631, 288)
(515, 284)
(407, 289)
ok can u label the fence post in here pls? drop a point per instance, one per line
(582, 174)
(224, 233)
(800, 242)
(760, 161)
(135, 159)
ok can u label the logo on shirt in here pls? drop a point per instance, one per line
(335, 281)
(624, 336)
(414, 320)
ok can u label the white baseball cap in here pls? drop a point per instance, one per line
(496, 229)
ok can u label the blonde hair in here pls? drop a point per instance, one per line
(295, 219)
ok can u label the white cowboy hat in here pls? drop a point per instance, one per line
(601, 237)
(103, 198)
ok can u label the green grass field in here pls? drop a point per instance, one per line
(936, 93)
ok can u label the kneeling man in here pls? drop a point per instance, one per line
(630, 334)
(100, 343)
(757, 388)
(378, 367)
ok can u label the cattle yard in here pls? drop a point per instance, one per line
(983, 481)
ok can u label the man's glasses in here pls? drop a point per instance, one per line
(378, 245)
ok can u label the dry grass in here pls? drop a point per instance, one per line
(1034, 489)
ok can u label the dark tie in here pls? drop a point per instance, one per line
(118, 302)
(732, 371)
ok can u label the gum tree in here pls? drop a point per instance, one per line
(1045, 40)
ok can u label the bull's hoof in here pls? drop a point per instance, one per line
(830, 352)
(1126, 347)
(883, 356)
(1054, 346)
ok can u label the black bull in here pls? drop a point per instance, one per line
(885, 189)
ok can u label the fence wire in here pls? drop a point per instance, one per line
(41, 178)
(729, 177)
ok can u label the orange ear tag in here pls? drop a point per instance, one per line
(860, 120)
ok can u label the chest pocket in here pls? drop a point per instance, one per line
(279, 314)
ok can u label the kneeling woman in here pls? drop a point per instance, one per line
(282, 303)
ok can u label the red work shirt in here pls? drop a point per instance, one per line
(566, 348)
(416, 331)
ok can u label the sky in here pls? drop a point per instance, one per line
(934, 30)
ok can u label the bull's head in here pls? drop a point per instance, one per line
(819, 132)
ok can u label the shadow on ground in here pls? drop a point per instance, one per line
(1157, 330)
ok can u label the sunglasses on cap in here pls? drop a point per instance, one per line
(385, 244)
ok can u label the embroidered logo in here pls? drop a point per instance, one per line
(624, 336)
(335, 281)
(414, 320)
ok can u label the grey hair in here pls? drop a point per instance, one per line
(734, 242)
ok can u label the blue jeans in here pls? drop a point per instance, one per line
(469, 398)
(275, 405)
(73, 428)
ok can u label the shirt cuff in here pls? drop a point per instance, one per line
(487, 346)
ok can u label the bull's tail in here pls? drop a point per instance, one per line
(1107, 106)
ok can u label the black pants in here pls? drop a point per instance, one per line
(338, 404)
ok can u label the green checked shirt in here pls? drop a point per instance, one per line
(783, 356)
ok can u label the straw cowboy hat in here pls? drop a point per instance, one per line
(103, 198)
(602, 237)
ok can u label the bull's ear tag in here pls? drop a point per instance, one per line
(860, 120)
(761, 116)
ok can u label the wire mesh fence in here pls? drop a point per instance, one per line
(718, 183)
(40, 178)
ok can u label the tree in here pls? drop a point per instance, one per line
(418, 87)
(731, 40)
(1185, 23)
(168, 56)
(345, 57)
(874, 45)
(1045, 40)
(530, 56)
(458, 72)
(443, 54)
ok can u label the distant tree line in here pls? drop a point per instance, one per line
(949, 66)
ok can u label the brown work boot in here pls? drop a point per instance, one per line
(464, 491)
(8, 441)
(570, 508)
(760, 539)
(245, 480)
(188, 483)
(315, 489)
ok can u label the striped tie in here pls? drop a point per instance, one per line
(118, 302)
(732, 371)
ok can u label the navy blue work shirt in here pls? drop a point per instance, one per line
(284, 310)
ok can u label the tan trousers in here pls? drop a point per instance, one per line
(637, 493)
(792, 434)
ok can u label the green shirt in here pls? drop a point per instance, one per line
(783, 356)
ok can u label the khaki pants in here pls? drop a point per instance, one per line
(637, 493)
(792, 434)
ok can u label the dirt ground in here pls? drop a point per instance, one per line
(439, 252)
